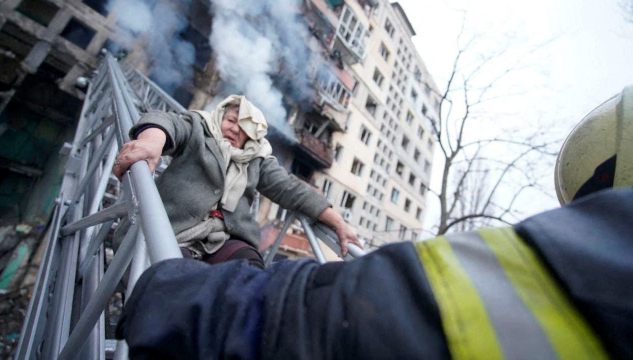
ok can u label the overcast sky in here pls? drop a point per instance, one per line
(588, 56)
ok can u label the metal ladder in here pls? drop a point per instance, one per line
(65, 318)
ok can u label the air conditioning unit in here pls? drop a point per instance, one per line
(347, 215)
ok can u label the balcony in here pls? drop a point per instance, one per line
(315, 149)
(332, 90)
(350, 37)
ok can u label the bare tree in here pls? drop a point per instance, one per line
(484, 172)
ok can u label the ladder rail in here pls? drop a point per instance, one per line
(65, 317)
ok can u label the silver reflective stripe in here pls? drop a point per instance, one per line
(518, 332)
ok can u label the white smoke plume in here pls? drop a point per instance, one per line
(260, 51)
(159, 25)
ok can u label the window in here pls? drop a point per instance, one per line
(418, 213)
(357, 167)
(388, 223)
(402, 232)
(405, 142)
(327, 186)
(414, 95)
(416, 154)
(399, 168)
(365, 135)
(414, 236)
(424, 110)
(395, 194)
(362, 221)
(429, 145)
(338, 151)
(384, 53)
(420, 132)
(352, 32)
(412, 179)
(78, 33)
(389, 28)
(427, 166)
(409, 117)
(40, 11)
(407, 205)
(422, 189)
(371, 105)
(348, 200)
(378, 77)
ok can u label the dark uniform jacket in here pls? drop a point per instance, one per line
(558, 285)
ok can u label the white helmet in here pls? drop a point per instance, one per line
(598, 153)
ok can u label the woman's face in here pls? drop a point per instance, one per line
(232, 131)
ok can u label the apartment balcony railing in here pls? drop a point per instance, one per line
(316, 148)
(332, 90)
(350, 37)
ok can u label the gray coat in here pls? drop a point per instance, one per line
(193, 182)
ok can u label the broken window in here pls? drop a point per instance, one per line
(384, 53)
(399, 168)
(365, 135)
(371, 105)
(420, 132)
(100, 6)
(357, 167)
(348, 200)
(40, 11)
(389, 28)
(327, 187)
(409, 117)
(78, 33)
(338, 152)
(378, 77)
(405, 142)
(200, 43)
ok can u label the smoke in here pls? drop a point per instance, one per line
(171, 58)
(260, 51)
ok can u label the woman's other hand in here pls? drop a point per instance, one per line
(343, 231)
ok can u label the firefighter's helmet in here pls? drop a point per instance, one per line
(598, 153)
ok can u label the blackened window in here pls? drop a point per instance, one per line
(38, 10)
(100, 6)
(78, 33)
(201, 44)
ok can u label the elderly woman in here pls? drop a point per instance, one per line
(219, 160)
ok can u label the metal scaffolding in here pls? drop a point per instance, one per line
(65, 318)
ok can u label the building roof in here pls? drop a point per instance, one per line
(403, 15)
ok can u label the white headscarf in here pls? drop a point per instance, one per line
(252, 121)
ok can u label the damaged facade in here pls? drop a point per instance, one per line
(363, 141)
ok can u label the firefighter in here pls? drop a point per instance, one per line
(557, 285)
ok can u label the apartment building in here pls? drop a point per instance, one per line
(382, 162)
(363, 141)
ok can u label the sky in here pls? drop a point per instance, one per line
(584, 56)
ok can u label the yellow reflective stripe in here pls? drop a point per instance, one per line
(566, 329)
(464, 318)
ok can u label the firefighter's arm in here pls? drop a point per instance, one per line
(345, 235)
(148, 146)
